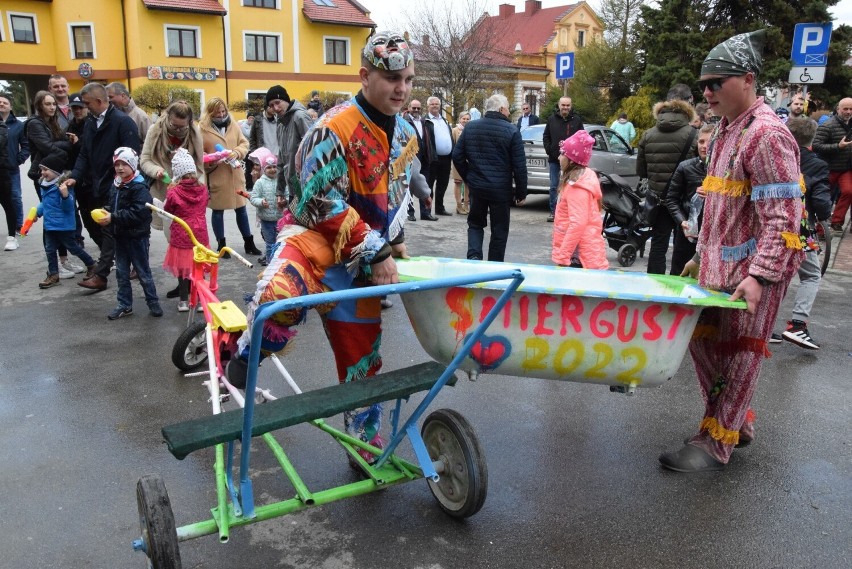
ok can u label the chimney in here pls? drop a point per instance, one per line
(426, 41)
(506, 10)
(531, 7)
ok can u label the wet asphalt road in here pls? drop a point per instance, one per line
(573, 473)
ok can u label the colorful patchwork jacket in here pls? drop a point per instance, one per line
(754, 202)
(354, 186)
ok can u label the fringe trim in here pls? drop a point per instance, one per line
(755, 345)
(321, 179)
(278, 332)
(777, 191)
(400, 216)
(740, 252)
(362, 368)
(718, 432)
(750, 416)
(705, 332)
(728, 187)
(364, 251)
(344, 233)
(792, 240)
(405, 158)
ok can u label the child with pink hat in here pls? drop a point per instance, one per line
(577, 220)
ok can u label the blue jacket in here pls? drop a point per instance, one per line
(58, 212)
(19, 148)
(489, 156)
(93, 167)
(131, 219)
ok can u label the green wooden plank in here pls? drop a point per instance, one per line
(188, 436)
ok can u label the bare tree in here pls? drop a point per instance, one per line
(455, 54)
(619, 17)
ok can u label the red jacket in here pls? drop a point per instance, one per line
(188, 200)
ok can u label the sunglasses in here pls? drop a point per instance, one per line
(712, 84)
(415, 108)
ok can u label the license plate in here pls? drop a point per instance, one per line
(535, 162)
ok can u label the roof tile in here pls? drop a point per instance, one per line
(532, 32)
(345, 12)
(196, 6)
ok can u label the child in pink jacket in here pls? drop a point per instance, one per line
(577, 221)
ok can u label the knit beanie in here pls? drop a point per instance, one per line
(126, 155)
(55, 162)
(277, 92)
(263, 157)
(578, 147)
(182, 164)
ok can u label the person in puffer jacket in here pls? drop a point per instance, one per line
(577, 219)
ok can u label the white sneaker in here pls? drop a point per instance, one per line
(11, 244)
(183, 306)
(65, 273)
(73, 267)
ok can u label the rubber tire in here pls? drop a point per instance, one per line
(627, 255)
(157, 523)
(190, 337)
(463, 486)
(826, 247)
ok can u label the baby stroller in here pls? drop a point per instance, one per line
(624, 224)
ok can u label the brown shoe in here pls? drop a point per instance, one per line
(97, 282)
(90, 271)
(50, 281)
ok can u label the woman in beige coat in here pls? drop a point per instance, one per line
(226, 183)
(175, 129)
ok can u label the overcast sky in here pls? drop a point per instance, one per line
(384, 12)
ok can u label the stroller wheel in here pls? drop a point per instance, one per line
(627, 255)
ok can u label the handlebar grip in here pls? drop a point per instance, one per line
(239, 257)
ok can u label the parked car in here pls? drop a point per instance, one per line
(610, 155)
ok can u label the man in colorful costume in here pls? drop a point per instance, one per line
(749, 246)
(354, 168)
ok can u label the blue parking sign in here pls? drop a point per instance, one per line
(810, 44)
(565, 65)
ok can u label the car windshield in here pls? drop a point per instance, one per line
(533, 133)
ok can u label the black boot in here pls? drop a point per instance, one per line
(250, 248)
(220, 244)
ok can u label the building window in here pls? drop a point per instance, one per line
(327, 3)
(337, 51)
(260, 47)
(581, 38)
(82, 41)
(182, 42)
(261, 3)
(23, 26)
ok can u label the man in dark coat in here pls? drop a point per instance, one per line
(660, 150)
(106, 129)
(18, 152)
(563, 123)
(527, 118)
(833, 142)
(425, 152)
(489, 156)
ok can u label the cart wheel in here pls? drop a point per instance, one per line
(826, 247)
(157, 523)
(463, 485)
(627, 255)
(190, 349)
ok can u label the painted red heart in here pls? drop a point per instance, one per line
(490, 351)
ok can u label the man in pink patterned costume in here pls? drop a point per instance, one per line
(749, 246)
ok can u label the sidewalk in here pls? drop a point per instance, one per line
(841, 253)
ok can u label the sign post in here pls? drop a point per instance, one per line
(565, 67)
(809, 54)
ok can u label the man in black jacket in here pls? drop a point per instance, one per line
(441, 159)
(527, 118)
(489, 156)
(425, 151)
(833, 142)
(818, 205)
(106, 130)
(563, 123)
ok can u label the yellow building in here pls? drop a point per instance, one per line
(233, 49)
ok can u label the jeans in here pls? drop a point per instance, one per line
(17, 201)
(63, 251)
(269, 234)
(6, 202)
(133, 251)
(54, 239)
(809, 279)
(555, 174)
(218, 223)
(480, 209)
(661, 233)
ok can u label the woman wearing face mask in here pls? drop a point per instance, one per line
(226, 183)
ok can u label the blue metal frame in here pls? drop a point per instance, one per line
(265, 311)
